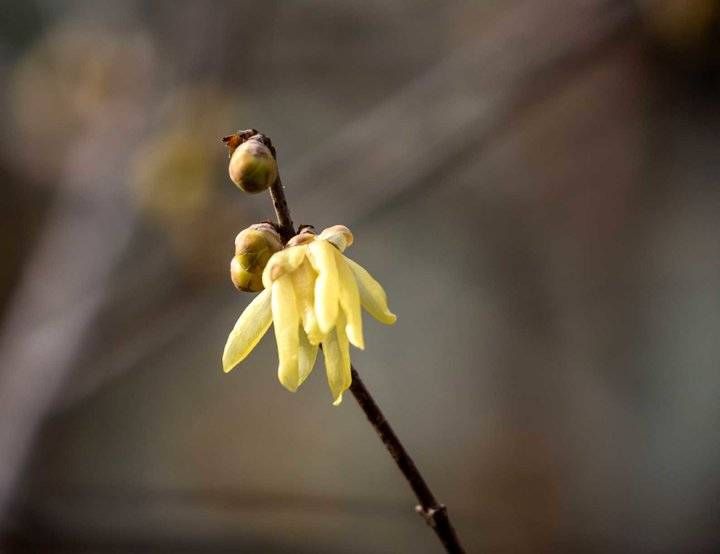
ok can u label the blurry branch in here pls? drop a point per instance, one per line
(456, 106)
(435, 122)
(160, 333)
(62, 289)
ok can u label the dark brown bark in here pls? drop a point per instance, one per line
(434, 513)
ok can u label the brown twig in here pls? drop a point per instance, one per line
(434, 513)
(282, 212)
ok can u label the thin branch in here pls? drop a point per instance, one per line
(434, 513)
(282, 212)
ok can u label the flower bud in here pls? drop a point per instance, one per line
(253, 167)
(253, 248)
(305, 236)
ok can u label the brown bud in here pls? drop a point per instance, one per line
(253, 248)
(252, 166)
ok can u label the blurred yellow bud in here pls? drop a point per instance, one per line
(253, 248)
(253, 167)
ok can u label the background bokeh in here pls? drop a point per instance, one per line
(536, 184)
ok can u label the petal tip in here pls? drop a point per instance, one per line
(228, 364)
(355, 338)
(289, 386)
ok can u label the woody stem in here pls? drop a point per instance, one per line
(434, 513)
(282, 212)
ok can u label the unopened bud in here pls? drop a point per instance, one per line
(305, 236)
(253, 167)
(253, 248)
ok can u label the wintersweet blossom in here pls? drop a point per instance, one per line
(313, 295)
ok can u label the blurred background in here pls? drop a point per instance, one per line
(534, 183)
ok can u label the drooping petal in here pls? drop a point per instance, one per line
(250, 327)
(304, 283)
(338, 235)
(280, 263)
(336, 351)
(372, 295)
(350, 302)
(321, 255)
(287, 321)
(307, 355)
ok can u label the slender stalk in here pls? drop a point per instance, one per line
(434, 513)
(282, 212)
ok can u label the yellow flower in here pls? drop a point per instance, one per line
(313, 294)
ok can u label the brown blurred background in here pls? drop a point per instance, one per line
(535, 183)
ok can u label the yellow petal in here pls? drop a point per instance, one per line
(338, 235)
(287, 321)
(350, 302)
(304, 283)
(321, 255)
(280, 263)
(372, 295)
(250, 327)
(336, 351)
(307, 355)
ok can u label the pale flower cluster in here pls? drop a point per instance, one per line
(313, 295)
